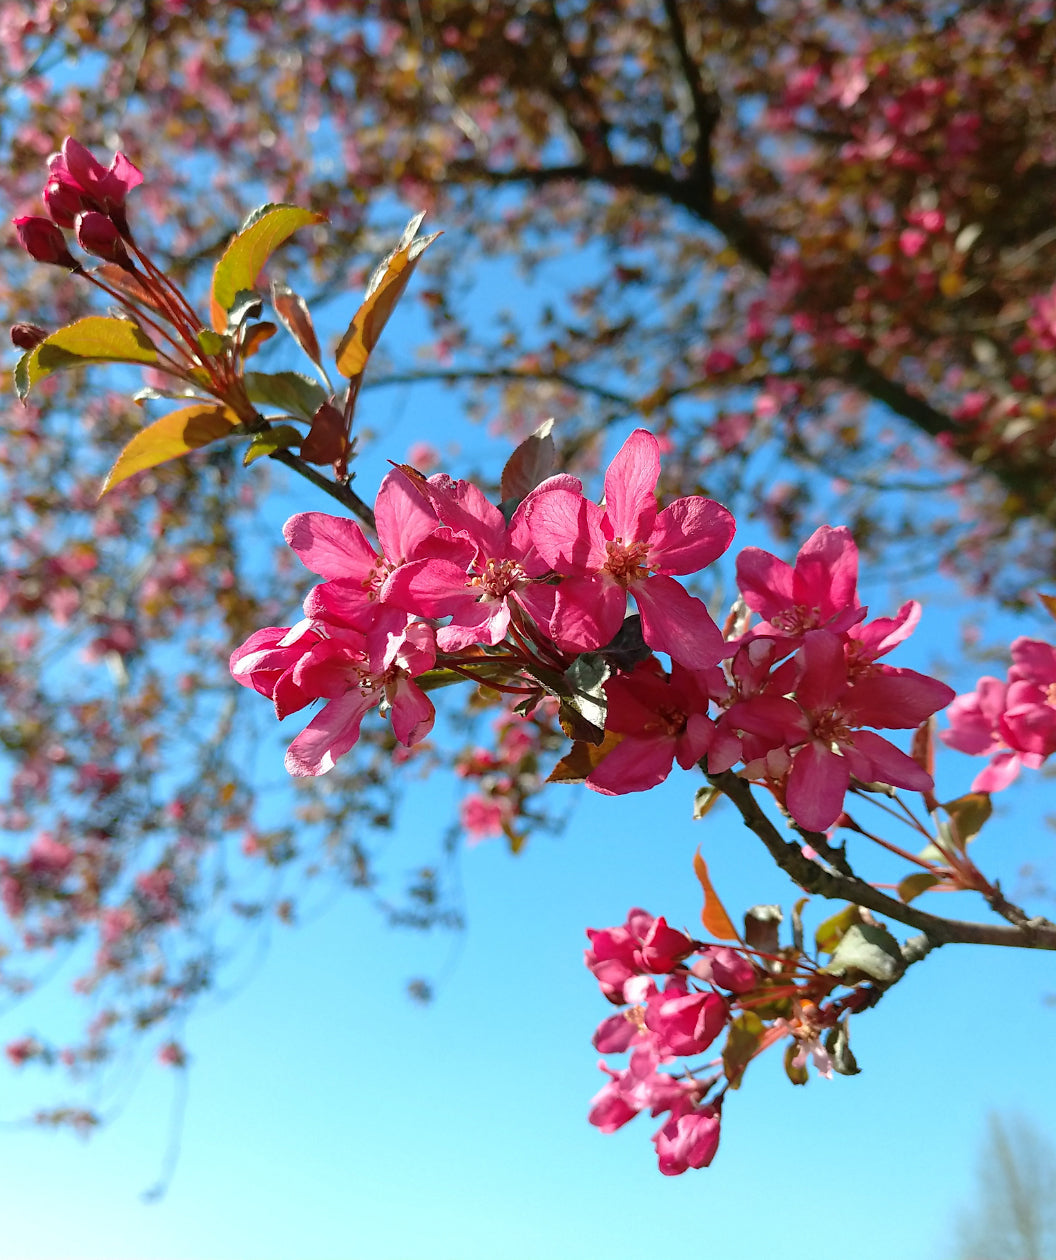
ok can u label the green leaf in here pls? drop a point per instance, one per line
(838, 1044)
(258, 238)
(867, 950)
(968, 814)
(586, 680)
(281, 438)
(384, 290)
(173, 435)
(831, 932)
(796, 1074)
(94, 339)
(291, 392)
(742, 1041)
(913, 885)
(210, 342)
(704, 799)
(248, 304)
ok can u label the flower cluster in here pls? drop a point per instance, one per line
(454, 589)
(86, 196)
(682, 1018)
(1011, 722)
(677, 997)
(797, 690)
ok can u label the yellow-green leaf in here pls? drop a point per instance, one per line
(237, 270)
(173, 435)
(913, 885)
(968, 814)
(713, 916)
(280, 438)
(94, 339)
(832, 931)
(383, 292)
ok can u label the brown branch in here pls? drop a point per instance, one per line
(706, 106)
(344, 494)
(1033, 934)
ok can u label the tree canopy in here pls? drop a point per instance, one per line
(810, 245)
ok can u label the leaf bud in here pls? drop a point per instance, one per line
(27, 336)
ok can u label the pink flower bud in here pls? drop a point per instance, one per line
(79, 182)
(688, 1141)
(63, 202)
(96, 234)
(43, 241)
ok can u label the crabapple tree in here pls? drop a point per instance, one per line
(567, 614)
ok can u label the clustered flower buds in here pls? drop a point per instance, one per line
(83, 195)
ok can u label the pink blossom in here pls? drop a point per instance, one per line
(172, 1054)
(688, 1140)
(820, 728)
(818, 591)
(483, 816)
(663, 718)
(637, 1088)
(479, 571)
(22, 1050)
(1014, 722)
(43, 241)
(631, 549)
(684, 1022)
(77, 181)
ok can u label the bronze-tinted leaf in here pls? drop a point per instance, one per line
(383, 292)
(173, 435)
(258, 238)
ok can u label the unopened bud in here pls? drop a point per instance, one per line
(63, 202)
(27, 336)
(96, 234)
(43, 241)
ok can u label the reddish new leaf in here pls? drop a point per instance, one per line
(292, 309)
(713, 916)
(531, 463)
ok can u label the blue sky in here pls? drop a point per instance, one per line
(327, 1116)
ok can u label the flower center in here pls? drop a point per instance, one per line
(831, 728)
(625, 561)
(373, 581)
(500, 577)
(796, 620)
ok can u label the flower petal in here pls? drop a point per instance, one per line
(330, 734)
(630, 487)
(690, 534)
(817, 786)
(403, 516)
(675, 622)
(566, 530)
(635, 765)
(332, 546)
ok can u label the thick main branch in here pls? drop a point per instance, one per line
(1036, 934)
